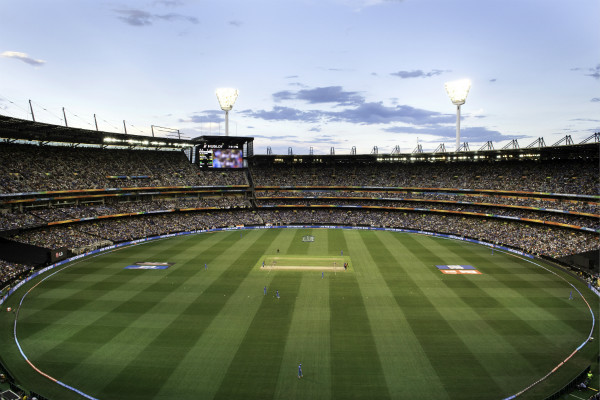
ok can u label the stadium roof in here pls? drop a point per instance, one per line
(14, 129)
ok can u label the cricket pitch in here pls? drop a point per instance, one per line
(304, 263)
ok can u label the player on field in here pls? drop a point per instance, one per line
(265, 290)
(300, 371)
(277, 293)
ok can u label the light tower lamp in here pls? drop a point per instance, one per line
(458, 91)
(226, 97)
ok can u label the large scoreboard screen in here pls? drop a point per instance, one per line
(227, 158)
(220, 155)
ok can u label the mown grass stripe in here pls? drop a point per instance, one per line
(308, 342)
(254, 370)
(107, 322)
(355, 365)
(483, 319)
(461, 372)
(71, 315)
(336, 243)
(552, 332)
(408, 370)
(542, 291)
(159, 358)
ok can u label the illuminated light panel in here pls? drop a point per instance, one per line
(226, 97)
(458, 90)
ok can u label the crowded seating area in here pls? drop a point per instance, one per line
(556, 176)
(28, 168)
(84, 235)
(523, 201)
(52, 213)
(548, 216)
(558, 242)
(11, 271)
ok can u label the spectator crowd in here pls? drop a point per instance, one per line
(552, 176)
(394, 188)
(27, 168)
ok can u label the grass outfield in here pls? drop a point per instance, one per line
(392, 326)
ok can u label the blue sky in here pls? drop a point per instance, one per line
(311, 73)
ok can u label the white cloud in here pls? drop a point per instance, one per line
(23, 57)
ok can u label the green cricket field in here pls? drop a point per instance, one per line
(197, 317)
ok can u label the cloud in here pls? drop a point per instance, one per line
(23, 57)
(363, 114)
(205, 117)
(356, 110)
(168, 3)
(593, 72)
(595, 99)
(135, 17)
(235, 23)
(417, 73)
(585, 120)
(475, 134)
(177, 17)
(299, 84)
(377, 113)
(326, 139)
(329, 94)
(284, 114)
(492, 80)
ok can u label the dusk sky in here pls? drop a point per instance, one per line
(310, 73)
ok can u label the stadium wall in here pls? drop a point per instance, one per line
(588, 261)
(22, 253)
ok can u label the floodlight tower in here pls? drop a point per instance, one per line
(226, 97)
(458, 91)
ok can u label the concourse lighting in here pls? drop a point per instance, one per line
(226, 97)
(458, 91)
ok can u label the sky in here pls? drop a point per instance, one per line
(312, 75)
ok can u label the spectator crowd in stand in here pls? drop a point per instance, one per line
(557, 217)
(548, 203)
(11, 271)
(553, 176)
(26, 168)
(558, 242)
(41, 216)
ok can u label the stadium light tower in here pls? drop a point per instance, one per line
(226, 97)
(458, 91)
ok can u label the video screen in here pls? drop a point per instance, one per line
(227, 158)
